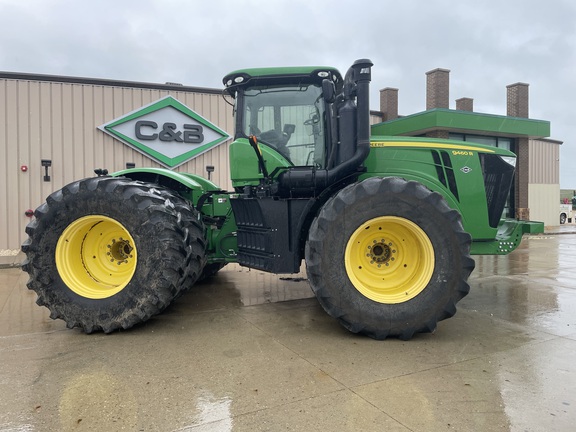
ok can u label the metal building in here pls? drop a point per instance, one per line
(59, 129)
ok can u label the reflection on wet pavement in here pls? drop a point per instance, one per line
(257, 287)
(249, 351)
(214, 412)
(534, 287)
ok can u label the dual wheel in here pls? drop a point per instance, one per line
(107, 253)
(388, 258)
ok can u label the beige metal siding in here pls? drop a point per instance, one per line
(544, 181)
(58, 121)
(544, 201)
(375, 119)
(544, 162)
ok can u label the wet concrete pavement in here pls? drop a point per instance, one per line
(254, 352)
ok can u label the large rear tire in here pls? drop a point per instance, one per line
(388, 258)
(107, 253)
(210, 270)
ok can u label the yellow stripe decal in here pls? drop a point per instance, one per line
(428, 145)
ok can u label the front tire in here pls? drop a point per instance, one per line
(388, 258)
(107, 253)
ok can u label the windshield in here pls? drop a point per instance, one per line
(290, 119)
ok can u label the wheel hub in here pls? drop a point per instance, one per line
(380, 252)
(120, 250)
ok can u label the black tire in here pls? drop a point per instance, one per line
(210, 270)
(431, 268)
(562, 218)
(197, 262)
(107, 253)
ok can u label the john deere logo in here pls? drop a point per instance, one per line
(167, 131)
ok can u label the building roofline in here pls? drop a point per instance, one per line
(105, 82)
(463, 122)
(550, 140)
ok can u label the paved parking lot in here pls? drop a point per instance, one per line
(254, 352)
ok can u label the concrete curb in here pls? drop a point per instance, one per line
(12, 261)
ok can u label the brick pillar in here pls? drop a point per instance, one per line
(438, 89)
(521, 181)
(465, 104)
(517, 106)
(517, 100)
(389, 103)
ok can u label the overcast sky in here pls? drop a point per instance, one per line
(485, 44)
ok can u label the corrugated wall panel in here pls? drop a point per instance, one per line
(11, 172)
(4, 202)
(544, 201)
(58, 121)
(544, 157)
(544, 181)
(375, 119)
(4, 158)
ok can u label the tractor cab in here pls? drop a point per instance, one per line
(294, 127)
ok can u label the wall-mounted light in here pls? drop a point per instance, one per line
(130, 165)
(209, 170)
(46, 163)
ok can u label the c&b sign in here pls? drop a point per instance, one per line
(166, 131)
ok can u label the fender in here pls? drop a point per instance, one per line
(190, 186)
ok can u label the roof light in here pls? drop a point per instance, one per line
(323, 74)
(228, 83)
(238, 79)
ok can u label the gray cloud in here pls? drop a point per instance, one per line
(486, 44)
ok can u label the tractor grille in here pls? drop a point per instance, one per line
(498, 177)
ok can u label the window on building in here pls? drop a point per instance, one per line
(493, 141)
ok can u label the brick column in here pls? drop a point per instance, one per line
(438, 88)
(517, 100)
(389, 103)
(465, 104)
(521, 181)
(517, 106)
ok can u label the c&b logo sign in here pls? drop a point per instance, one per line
(167, 131)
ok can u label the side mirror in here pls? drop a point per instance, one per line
(328, 91)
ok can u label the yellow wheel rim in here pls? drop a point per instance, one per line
(96, 257)
(389, 259)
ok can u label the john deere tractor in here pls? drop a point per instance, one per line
(385, 225)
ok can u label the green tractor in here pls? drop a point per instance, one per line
(385, 225)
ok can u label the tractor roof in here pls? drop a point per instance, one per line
(280, 75)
